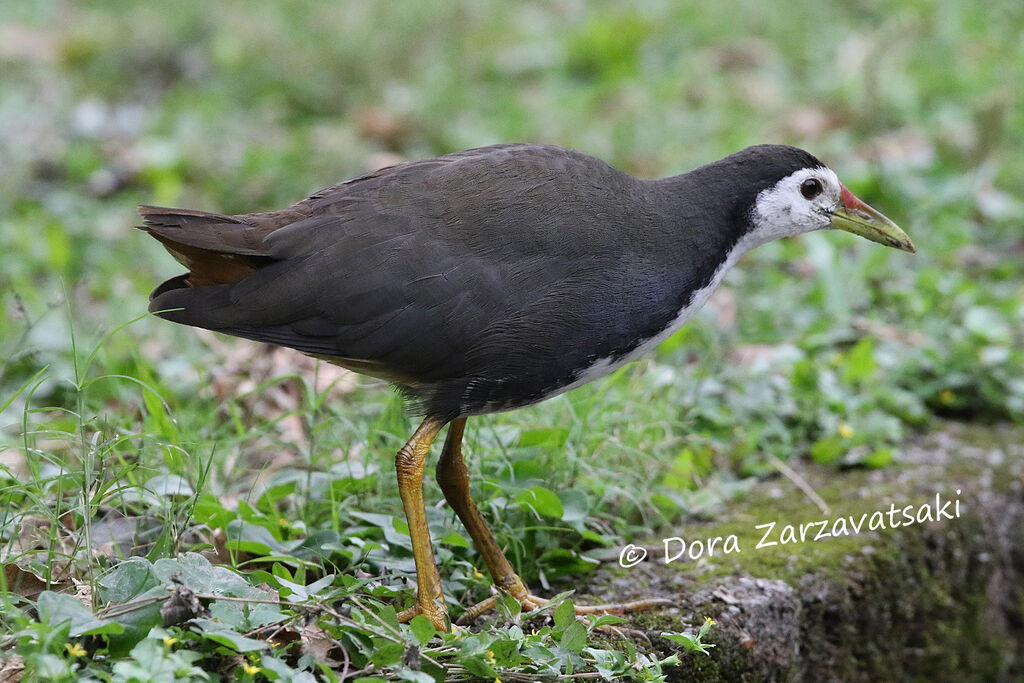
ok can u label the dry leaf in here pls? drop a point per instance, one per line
(12, 669)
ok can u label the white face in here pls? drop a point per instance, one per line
(801, 202)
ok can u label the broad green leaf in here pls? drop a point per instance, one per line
(422, 628)
(126, 580)
(57, 608)
(219, 633)
(416, 676)
(386, 652)
(196, 572)
(860, 361)
(541, 499)
(826, 450)
(575, 505)
(564, 615)
(388, 614)
(607, 620)
(574, 637)
(879, 458)
(455, 539)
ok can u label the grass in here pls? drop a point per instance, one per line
(125, 441)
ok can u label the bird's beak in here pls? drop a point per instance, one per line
(853, 215)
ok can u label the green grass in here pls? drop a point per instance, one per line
(123, 436)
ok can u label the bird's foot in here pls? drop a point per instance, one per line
(437, 614)
(530, 602)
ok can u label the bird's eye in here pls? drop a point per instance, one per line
(810, 188)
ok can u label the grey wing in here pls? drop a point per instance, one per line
(400, 304)
(419, 274)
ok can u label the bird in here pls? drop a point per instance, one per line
(491, 279)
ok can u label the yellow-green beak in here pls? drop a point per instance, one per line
(853, 215)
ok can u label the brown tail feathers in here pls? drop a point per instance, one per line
(216, 249)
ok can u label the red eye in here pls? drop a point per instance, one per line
(810, 188)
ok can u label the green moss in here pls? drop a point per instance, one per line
(913, 602)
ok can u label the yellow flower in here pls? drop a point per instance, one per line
(74, 649)
(250, 669)
(490, 656)
(845, 431)
(477, 574)
(169, 640)
(710, 621)
(946, 396)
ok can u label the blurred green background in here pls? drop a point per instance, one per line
(825, 347)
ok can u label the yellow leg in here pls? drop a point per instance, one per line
(454, 481)
(409, 467)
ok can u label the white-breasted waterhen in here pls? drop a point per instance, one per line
(488, 280)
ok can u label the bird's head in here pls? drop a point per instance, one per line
(800, 194)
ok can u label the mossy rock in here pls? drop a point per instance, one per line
(917, 601)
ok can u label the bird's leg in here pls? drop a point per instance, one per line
(454, 481)
(409, 467)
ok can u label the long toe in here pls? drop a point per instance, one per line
(530, 602)
(623, 607)
(438, 617)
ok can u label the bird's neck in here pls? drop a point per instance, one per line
(703, 212)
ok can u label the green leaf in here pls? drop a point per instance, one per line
(422, 628)
(879, 458)
(257, 539)
(127, 580)
(564, 615)
(297, 592)
(690, 642)
(219, 633)
(210, 511)
(278, 669)
(414, 675)
(386, 652)
(609, 663)
(388, 614)
(542, 500)
(196, 572)
(684, 639)
(508, 607)
(575, 505)
(826, 450)
(151, 661)
(400, 525)
(559, 562)
(607, 620)
(552, 438)
(860, 361)
(574, 637)
(57, 608)
(455, 539)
